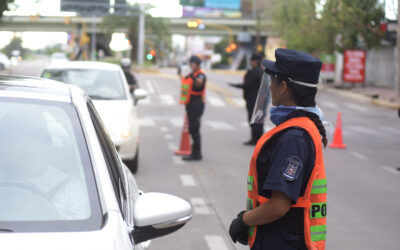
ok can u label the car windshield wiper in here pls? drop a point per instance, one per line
(99, 97)
(6, 230)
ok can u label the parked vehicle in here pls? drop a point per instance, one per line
(4, 62)
(106, 85)
(58, 57)
(62, 183)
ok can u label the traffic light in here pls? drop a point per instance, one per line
(231, 48)
(152, 53)
(195, 24)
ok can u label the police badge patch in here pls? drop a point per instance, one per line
(292, 169)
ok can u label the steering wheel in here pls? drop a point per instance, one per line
(30, 187)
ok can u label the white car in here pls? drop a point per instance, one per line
(106, 85)
(58, 57)
(62, 183)
(4, 62)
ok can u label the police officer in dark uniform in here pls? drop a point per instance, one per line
(130, 78)
(252, 81)
(285, 162)
(195, 108)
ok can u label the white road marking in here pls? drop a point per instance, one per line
(146, 122)
(215, 101)
(168, 137)
(199, 206)
(244, 124)
(330, 105)
(391, 170)
(187, 180)
(391, 130)
(178, 160)
(164, 129)
(145, 102)
(167, 99)
(356, 107)
(220, 125)
(172, 146)
(358, 155)
(150, 87)
(176, 122)
(361, 130)
(239, 102)
(215, 242)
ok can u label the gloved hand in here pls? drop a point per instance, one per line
(238, 230)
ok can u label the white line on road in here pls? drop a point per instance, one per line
(220, 125)
(358, 155)
(150, 87)
(167, 99)
(146, 122)
(391, 170)
(239, 102)
(215, 101)
(178, 160)
(356, 107)
(168, 137)
(215, 242)
(164, 129)
(244, 124)
(145, 102)
(172, 146)
(330, 105)
(199, 206)
(187, 180)
(176, 122)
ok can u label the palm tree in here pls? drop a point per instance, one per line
(156, 28)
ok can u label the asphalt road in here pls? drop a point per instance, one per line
(364, 185)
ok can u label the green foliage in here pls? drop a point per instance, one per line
(336, 25)
(4, 5)
(220, 49)
(15, 44)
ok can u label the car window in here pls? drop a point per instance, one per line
(98, 84)
(114, 164)
(45, 170)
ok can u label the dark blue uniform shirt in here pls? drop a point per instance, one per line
(285, 164)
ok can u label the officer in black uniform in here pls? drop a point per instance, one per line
(195, 109)
(252, 81)
(130, 78)
(280, 226)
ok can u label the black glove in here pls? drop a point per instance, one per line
(179, 70)
(239, 230)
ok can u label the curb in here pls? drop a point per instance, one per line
(227, 72)
(362, 98)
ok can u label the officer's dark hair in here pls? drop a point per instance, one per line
(305, 97)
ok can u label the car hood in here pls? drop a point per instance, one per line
(116, 115)
(108, 238)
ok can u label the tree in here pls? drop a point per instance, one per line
(157, 27)
(15, 44)
(4, 6)
(332, 25)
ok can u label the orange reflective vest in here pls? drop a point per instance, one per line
(314, 199)
(187, 89)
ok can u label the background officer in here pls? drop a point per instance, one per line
(252, 81)
(193, 99)
(130, 78)
(286, 205)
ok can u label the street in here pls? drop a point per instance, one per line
(363, 193)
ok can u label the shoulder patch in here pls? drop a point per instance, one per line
(292, 168)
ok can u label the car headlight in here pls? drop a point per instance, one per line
(126, 134)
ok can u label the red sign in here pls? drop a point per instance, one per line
(354, 66)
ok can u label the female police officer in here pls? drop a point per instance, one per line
(286, 205)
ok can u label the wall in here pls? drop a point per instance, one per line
(381, 67)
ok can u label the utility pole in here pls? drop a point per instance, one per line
(140, 45)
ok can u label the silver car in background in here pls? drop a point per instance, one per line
(62, 183)
(106, 85)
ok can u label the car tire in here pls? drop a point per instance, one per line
(134, 163)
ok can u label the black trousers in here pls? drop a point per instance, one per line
(194, 110)
(257, 129)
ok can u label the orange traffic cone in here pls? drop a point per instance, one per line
(185, 148)
(337, 137)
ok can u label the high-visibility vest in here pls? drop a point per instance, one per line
(314, 199)
(187, 89)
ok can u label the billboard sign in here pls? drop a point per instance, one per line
(86, 6)
(354, 66)
(203, 12)
(226, 4)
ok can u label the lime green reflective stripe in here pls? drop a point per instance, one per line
(250, 183)
(184, 92)
(318, 210)
(319, 186)
(185, 86)
(183, 99)
(318, 232)
(251, 231)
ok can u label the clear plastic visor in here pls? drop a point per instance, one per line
(262, 102)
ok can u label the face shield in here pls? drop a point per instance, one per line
(263, 99)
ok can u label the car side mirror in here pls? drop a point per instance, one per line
(140, 94)
(158, 214)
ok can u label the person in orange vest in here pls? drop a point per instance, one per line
(192, 95)
(286, 204)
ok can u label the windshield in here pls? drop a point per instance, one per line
(46, 176)
(98, 84)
